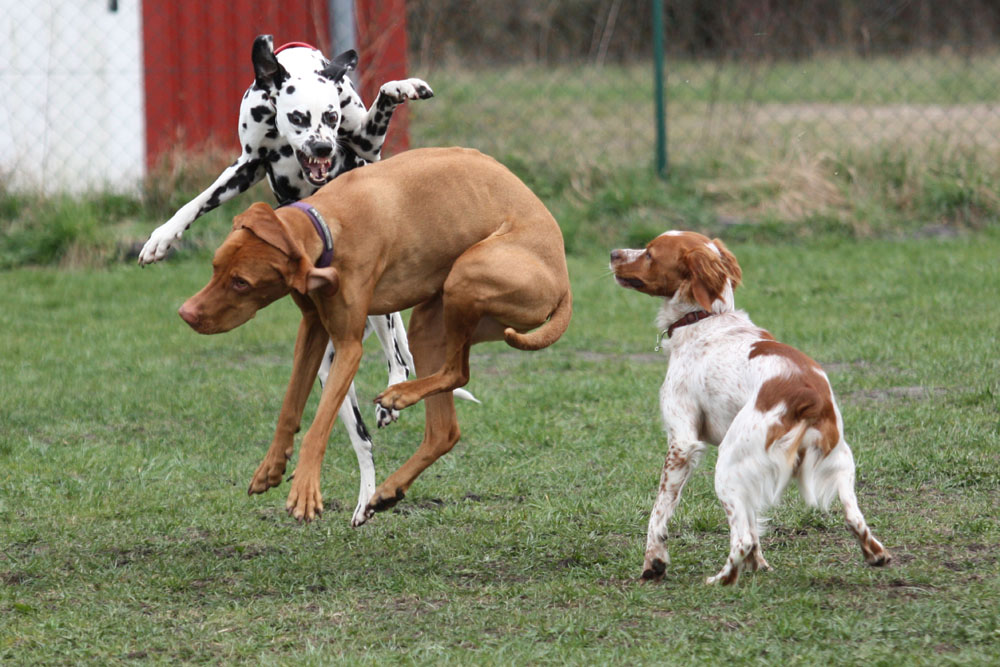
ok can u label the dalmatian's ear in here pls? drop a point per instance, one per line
(341, 65)
(268, 71)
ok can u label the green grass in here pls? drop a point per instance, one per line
(127, 442)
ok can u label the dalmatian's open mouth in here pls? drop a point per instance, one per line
(316, 169)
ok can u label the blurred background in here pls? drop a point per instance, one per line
(804, 117)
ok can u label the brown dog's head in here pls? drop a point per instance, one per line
(678, 264)
(257, 264)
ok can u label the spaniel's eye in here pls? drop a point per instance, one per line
(240, 285)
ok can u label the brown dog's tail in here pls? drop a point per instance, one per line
(546, 334)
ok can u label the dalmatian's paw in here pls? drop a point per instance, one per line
(361, 515)
(407, 89)
(385, 416)
(158, 245)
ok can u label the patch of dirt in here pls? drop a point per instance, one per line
(915, 393)
(418, 505)
(11, 578)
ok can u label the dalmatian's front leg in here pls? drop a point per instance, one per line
(365, 132)
(236, 178)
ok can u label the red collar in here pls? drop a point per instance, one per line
(690, 318)
(292, 45)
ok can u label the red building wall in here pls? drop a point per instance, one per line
(196, 56)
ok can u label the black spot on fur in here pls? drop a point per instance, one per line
(290, 90)
(376, 129)
(248, 148)
(240, 181)
(287, 150)
(360, 425)
(361, 142)
(272, 133)
(283, 188)
(259, 113)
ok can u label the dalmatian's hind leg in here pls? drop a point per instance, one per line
(392, 335)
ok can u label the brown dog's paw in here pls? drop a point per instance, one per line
(380, 502)
(269, 474)
(401, 395)
(305, 502)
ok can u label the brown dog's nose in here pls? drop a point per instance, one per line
(616, 255)
(188, 315)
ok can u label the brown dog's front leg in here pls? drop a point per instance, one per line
(309, 347)
(304, 499)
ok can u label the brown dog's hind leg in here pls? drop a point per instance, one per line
(493, 285)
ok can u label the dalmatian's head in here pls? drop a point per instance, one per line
(305, 89)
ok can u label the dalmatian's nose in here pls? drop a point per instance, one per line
(322, 149)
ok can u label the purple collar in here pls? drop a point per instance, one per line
(322, 229)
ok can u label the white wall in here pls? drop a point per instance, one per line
(71, 96)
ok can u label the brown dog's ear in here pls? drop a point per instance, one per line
(267, 226)
(309, 278)
(708, 274)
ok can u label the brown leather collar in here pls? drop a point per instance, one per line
(690, 318)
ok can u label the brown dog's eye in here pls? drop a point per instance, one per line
(240, 285)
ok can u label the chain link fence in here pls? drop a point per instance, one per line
(562, 87)
(570, 83)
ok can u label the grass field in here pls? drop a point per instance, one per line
(127, 442)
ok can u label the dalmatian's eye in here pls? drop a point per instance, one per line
(239, 285)
(331, 118)
(299, 119)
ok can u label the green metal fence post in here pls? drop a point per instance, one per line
(661, 111)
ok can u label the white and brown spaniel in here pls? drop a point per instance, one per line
(767, 406)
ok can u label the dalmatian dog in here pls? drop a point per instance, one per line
(301, 124)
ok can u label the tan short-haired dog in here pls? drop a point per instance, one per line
(447, 231)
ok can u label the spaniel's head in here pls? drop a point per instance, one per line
(684, 266)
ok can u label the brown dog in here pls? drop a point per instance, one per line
(447, 231)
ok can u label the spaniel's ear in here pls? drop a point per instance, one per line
(730, 263)
(264, 223)
(708, 274)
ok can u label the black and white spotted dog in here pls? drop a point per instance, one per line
(301, 124)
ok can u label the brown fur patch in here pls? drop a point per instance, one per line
(805, 393)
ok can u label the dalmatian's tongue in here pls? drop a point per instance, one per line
(318, 169)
